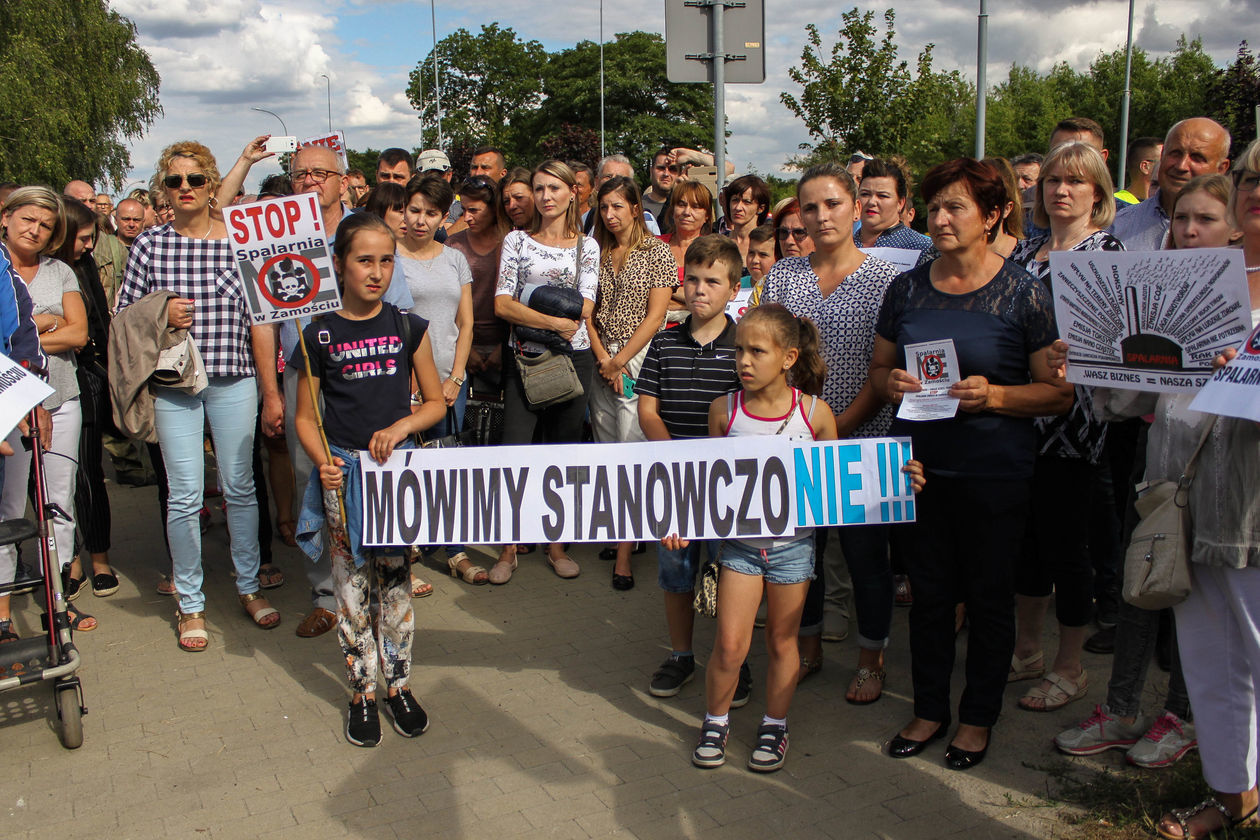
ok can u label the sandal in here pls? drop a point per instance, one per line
(77, 619)
(6, 631)
(1059, 693)
(166, 586)
(288, 532)
(864, 674)
(261, 613)
(419, 588)
(1028, 668)
(193, 640)
(1184, 815)
(809, 667)
(270, 576)
(470, 573)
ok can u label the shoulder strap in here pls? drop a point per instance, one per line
(405, 329)
(1192, 466)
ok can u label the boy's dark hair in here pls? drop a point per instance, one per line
(274, 186)
(761, 233)
(434, 189)
(713, 248)
(392, 157)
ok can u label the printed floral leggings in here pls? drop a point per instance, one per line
(363, 644)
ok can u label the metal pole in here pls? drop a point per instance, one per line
(719, 94)
(437, 83)
(283, 127)
(601, 79)
(329, 81)
(1122, 176)
(982, 59)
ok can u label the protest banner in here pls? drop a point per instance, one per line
(281, 250)
(738, 307)
(1234, 390)
(613, 492)
(1148, 320)
(903, 259)
(334, 140)
(20, 391)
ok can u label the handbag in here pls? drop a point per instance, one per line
(705, 602)
(452, 440)
(1157, 561)
(549, 377)
(483, 422)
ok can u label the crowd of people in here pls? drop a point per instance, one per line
(457, 289)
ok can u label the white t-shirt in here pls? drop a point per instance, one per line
(523, 261)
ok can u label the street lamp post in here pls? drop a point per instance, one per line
(982, 59)
(283, 127)
(329, 81)
(601, 79)
(1123, 175)
(437, 82)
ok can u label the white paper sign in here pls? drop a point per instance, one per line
(20, 391)
(1234, 390)
(935, 363)
(739, 306)
(611, 492)
(335, 141)
(1148, 320)
(903, 258)
(282, 253)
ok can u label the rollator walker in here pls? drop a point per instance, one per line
(51, 656)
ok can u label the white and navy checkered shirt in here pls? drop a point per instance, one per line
(204, 271)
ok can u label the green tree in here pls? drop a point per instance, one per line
(75, 86)
(643, 110)
(1235, 95)
(860, 95)
(487, 82)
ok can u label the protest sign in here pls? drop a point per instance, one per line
(614, 492)
(935, 364)
(20, 391)
(281, 250)
(334, 140)
(1148, 320)
(903, 259)
(739, 306)
(1234, 390)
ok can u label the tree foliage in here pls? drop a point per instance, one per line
(75, 85)
(1235, 96)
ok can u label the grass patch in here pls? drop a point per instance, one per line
(1126, 804)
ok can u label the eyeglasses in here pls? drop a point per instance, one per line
(196, 181)
(796, 233)
(317, 176)
(1246, 180)
(476, 182)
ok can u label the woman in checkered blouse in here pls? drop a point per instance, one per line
(191, 257)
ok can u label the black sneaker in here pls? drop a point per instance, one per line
(363, 726)
(771, 749)
(1104, 641)
(710, 751)
(743, 688)
(408, 718)
(673, 674)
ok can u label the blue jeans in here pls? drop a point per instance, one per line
(783, 565)
(443, 428)
(230, 403)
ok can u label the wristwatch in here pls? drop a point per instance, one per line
(458, 380)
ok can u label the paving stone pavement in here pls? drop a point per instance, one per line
(542, 726)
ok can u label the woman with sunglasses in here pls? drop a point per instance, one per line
(480, 243)
(791, 239)
(192, 258)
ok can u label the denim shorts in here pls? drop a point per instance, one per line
(785, 564)
(678, 569)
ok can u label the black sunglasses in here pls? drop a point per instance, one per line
(196, 180)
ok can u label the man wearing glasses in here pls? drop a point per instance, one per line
(356, 189)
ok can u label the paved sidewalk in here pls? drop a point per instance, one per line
(541, 726)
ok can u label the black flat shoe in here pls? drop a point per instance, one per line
(900, 747)
(956, 758)
(610, 553)
(622, 583)
(104, 584)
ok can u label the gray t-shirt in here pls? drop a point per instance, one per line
(53, 280)
(436, 286)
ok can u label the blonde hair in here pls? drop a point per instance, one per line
(1078, 158)
(199, 155)
(560, 170)
(1215, 185)
(1248, 161)
(44, 199)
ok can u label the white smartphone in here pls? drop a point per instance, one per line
(280, 145)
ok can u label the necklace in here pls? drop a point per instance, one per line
(1250, 269)
(209, 228)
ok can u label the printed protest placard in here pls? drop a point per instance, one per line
(335, 141)
(282, 252)
(1234, 390)
(20, 391)
(935, 363)
(903, 258)
(699, 489)
(739, 306)
(1148, 320)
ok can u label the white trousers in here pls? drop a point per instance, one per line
(1218, 632)
(61, 464)
(615, 418)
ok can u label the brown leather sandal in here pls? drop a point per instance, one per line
(189, 638)
(261, 614)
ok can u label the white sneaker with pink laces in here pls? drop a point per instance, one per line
(1168, 739)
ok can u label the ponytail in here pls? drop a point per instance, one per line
(809, 372)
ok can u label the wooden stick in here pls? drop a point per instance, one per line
(319, 420)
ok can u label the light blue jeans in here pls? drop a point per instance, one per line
(230, 403)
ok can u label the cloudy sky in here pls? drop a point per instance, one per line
(220, 58)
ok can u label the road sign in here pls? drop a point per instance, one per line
(689, 50)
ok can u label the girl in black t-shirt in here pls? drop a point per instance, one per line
(363, 360)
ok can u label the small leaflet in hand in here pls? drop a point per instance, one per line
(935, 363)
(20, 391)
